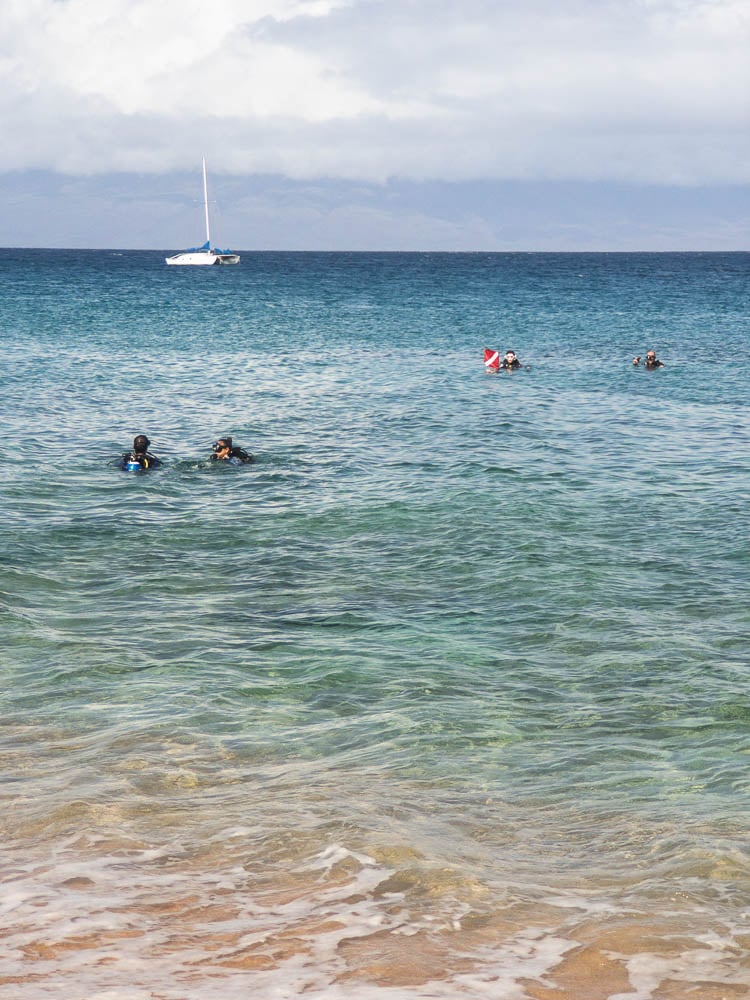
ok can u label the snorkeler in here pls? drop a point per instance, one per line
(510, 361)
(139, 459)
(225, 451)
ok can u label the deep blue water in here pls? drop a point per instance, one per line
(445, 694)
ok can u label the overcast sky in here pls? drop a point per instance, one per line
(383, 124)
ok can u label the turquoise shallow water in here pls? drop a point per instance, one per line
(447, 694)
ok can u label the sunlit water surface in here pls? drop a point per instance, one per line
(446, 695)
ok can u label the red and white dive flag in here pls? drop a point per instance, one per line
(491, 360)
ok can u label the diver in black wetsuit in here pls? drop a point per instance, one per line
(225, 451)
(510, 361)
(140, 458)
(651, 360)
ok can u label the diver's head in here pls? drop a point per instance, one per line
(510, 355)
(140, 444)
(650, 355)
(223, 444)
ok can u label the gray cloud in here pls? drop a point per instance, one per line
(642, 91)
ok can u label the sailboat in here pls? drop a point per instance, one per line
(205, 254)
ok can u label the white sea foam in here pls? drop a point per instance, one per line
(129, 926)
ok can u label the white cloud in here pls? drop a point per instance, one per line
(646, 90)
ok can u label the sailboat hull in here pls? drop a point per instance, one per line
(203, 258)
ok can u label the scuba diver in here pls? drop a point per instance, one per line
(651, 360)
(139, 459)
(510, 361)
(225, 451)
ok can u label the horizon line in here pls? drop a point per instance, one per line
(167, 250)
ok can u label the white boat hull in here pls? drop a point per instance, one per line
(202, 258)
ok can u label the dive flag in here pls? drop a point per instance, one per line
(491, 360)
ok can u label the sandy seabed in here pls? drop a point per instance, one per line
(120, 921)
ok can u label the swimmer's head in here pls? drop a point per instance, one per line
(141, 443)
(510, 354)
(222, 444)
(651, 355)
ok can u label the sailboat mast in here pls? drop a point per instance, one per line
(205, 203)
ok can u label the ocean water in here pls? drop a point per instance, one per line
(446, 695)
